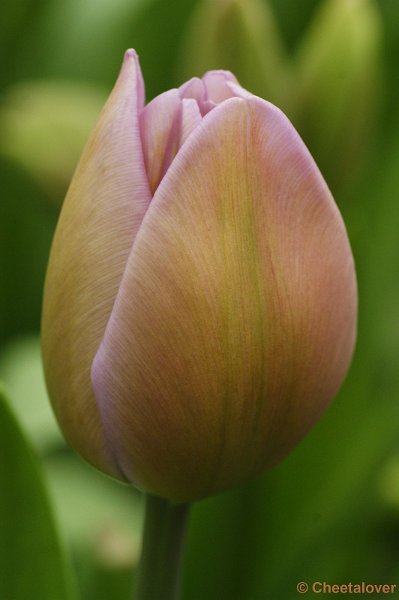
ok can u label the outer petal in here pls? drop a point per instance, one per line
(102, 212)
(235, 321)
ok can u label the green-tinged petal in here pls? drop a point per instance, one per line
(103, 210)
(234, 323)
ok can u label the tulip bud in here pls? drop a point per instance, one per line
(338, 65)
(240, 35)
(200, 302)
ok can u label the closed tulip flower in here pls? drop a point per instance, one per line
(200, 302)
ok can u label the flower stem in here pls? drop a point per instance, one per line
(158, 576)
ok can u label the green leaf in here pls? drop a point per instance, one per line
(102, 521)
(22, 373)
(32, 564)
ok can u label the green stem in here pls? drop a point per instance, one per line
(158, 576)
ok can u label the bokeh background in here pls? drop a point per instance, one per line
(330, 512)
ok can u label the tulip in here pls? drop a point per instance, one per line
(200, 302)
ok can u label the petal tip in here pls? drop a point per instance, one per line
(131, 70)
(130, 62)
(130, 53)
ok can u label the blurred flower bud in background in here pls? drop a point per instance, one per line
(240, 35)
(338, 68)
(200, 302)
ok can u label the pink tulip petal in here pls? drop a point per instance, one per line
(160, 127)
(238, 91)
(193, 88)
(102, 213)
(191, 118)
(234, 324)
(216, 85)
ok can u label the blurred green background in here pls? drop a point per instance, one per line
(330, 512)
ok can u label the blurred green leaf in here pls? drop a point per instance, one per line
(22, 372)
(32, 562)
(102, 519)
(45, 125)
(95, 509)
